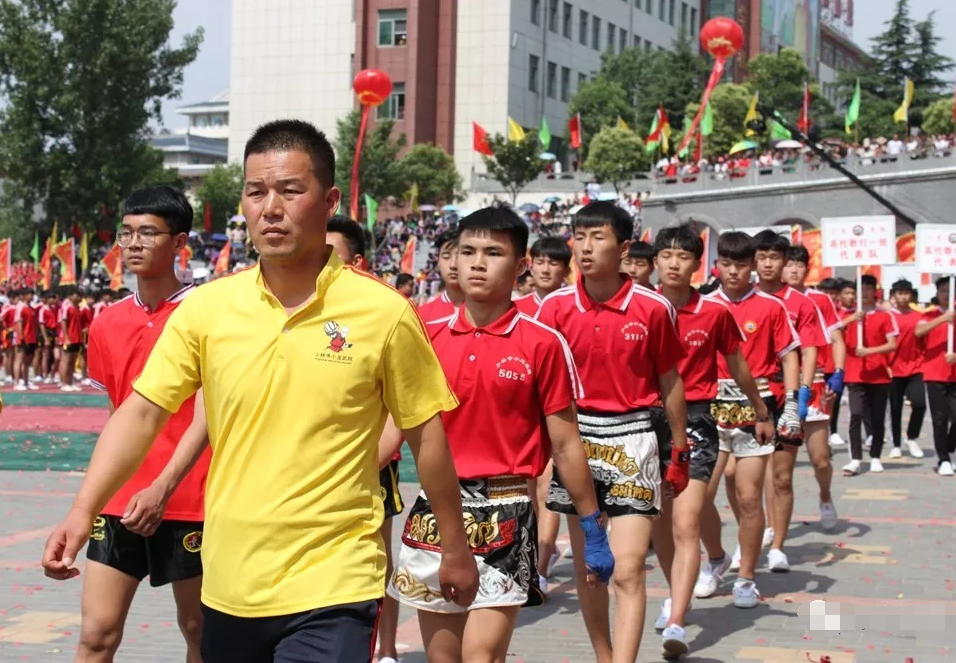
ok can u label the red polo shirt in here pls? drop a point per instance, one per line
(620, 346)
(878, 326)
(28, 316)
(98, 309)
(908, 358)
(768, 331)
(935, 368)
(528, 304)
(706, 328)
(508, 376)
(436, 308)
(86, 316)
(805, 317)
(48, 317)
(833, 323)
(119, 345)
(74, 323)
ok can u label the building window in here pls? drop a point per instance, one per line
(649, 7)
(596, 34)
(622, 42)
(637, 41)
(672, 11)
(693, 20)
(394, 106)
(582, 79)
(583, 28)
(683, 17)
(533, 64)
(536, 12)
(552, 80)
(660, 10)
(567, 20)
(553, 16)
(648, 46)
(565, 84)
(611, 34)
(392, 27)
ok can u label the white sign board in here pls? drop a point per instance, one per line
(754, 230)
(854, 241)
(936, 248)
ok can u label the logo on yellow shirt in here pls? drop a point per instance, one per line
(337, 335)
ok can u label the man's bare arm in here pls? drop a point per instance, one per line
(838, 347)
(925, 327)
(808, 366)
(570, 459)
(675, 406)
(791, 371)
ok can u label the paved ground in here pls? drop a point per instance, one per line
(891, 561)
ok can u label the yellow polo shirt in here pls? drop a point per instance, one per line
(295, 406)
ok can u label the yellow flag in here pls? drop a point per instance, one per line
(84, 250)
(239, 208)
(666, 137)
(413, 197)
(751, 115)
(621, 124)
(902, 113)
(515, 132)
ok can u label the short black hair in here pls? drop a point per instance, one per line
(46, 294)
(680, 237)
(846, 283)
(498, 218)
(403, 279)
(523, 278)
(941, 281)
(736, 245)
(903, 286)
(798, 253)
(830, 284)
(768, 240)
(641, 250)
(69, 290)
(351, 232)
(164, 201)
(287, 135)
(869, 279)
(605, 213)
(447, 237)
(553, 248)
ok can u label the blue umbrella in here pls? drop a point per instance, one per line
(529, 208)
(448, 208)
(547, 156)
(553, 199)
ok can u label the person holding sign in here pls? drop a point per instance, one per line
(939, 373)
(906, 366)
(868, 374)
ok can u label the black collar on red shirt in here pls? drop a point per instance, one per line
(619, 301)
(500, 327)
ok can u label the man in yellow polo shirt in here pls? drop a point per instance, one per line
(301, 359)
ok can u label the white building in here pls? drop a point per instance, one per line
(209, 119)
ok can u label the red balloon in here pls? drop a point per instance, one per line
(372, 87)
(722, 37)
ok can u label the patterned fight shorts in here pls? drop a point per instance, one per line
(736, 419)
(622, 454)
(502, 534)
(701, 435)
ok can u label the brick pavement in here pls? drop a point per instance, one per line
(895, 547)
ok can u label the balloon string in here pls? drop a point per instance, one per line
(715, 75)
(354, 184)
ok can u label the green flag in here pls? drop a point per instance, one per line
(652, 142)
(35, 251)
(544, 134)
(707, 122)
(778, 131)
(687, 124)
(371, 205)
(853, 110)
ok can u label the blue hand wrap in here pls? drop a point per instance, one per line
(803, 402)
(835, 383)
(597, 551)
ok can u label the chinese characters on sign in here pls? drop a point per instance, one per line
(936, 248)
(859, 241)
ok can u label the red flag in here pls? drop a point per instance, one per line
(804, 123)
(796, 234)
(813, 242)
(700, 276)
(185, 256)
(67, 256)
(479, 140)
(663, 129)
(574, 132)
(715, 75)
(113, 262)
(46, 264)
(207, 219)
(906, 247)
(222, 262)
(699, 151)
(6, 260)
(408, 256)
(646, 235)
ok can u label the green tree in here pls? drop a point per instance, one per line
(938, 118)
(929, 65)
(380, 172)
(433, 169)
(779, 78)
(615, 155)
(600, 102)
(16, 222)
(79, 82)
(894, 49)
(729, 103)
(514, 164)
(221, 189)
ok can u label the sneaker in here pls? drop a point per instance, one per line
(387, 659)
(945, 469)
(735, 562)
(837, 441)
(710, 576)
(543, 584)
(767, 537)
(675, 641)
(47, 380)
(828, 516)
(913, 448)
(777, 561)
(746, 594)
(868, 442)
(896, 452)
(664, 616)
(32, 387)
(852, 468)
(876, 465)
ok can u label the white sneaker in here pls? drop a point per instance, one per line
(837, 441)
(32, 387)
(735, 562)
(945, 469)
(876, 465)
(387, 659)
(868, 442)
(777, 561)
(675, 641)
(767, 537)
(746, 594)
(710, 576)
(852, 468)
(896, 452)
(47, 380)
(913, 448)
(20, 387)
(543, 584)
(828, 516)
(664, 616)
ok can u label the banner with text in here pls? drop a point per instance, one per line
(936, 248)
(857, 241)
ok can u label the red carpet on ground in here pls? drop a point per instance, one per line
(46, 418)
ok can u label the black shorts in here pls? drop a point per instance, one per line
(169, 555)
(326, 635)
(388, 480)
(28, 348)
(701, 434)
(71, 347)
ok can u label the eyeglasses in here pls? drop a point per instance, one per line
(147, 236)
